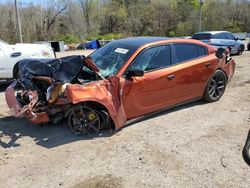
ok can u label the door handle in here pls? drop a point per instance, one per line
(207, 65)
(16, 54)
(171, 77)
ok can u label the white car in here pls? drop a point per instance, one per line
(10, 55)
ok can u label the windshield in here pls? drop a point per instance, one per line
(111, 57)
(202, 36)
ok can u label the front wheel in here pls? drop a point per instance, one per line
(240, 50)
(84, 119)
(215, 87)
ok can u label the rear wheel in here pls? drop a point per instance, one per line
(215, 87)
(245, 152)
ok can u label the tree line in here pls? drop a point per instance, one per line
(78, 20)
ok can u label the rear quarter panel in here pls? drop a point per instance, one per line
(227, 67)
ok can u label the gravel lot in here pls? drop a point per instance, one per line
(194, 145)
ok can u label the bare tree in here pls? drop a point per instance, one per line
(86, 6)
(62, 19)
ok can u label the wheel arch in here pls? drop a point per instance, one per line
(98, 106)
(222, 71)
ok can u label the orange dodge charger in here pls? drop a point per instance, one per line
(123, 80)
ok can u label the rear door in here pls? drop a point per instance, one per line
(231, 41)
(192, 69)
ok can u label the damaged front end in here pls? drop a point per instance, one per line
(33, 104)
(68, 87)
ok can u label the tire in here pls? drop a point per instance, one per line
(240, 50)
(16, 73)
(245, 151)
(215, 87)
(86, 119)
(80, 123)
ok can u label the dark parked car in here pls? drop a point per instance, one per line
(221, 39)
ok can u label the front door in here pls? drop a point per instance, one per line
(142, 95)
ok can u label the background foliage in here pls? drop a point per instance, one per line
(78, 20)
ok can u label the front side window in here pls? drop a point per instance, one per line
(152, 58)
(185, 52)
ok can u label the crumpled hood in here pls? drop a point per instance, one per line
(63, 70)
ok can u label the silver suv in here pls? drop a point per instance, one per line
(221, 39)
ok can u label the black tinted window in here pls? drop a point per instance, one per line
(220, 36)
(202, 36)
(186, 52)
(153, 58)
(201, 51)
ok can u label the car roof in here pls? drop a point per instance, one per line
(211, 32)
(138, 41)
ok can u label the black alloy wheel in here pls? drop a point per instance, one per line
(84, 119)
(215, 87)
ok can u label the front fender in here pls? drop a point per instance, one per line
(104, 92)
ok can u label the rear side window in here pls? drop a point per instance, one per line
(201, 51)
(230, 36)
(185, 52)
(202, 36)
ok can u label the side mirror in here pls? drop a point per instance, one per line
(236, 38)
(135, 72)
(220, 52)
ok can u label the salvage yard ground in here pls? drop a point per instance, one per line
(194, 145)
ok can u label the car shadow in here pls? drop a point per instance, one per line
(46, 135)
(54, 135)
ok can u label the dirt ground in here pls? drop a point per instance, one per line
(194, 145)
(76, 52)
